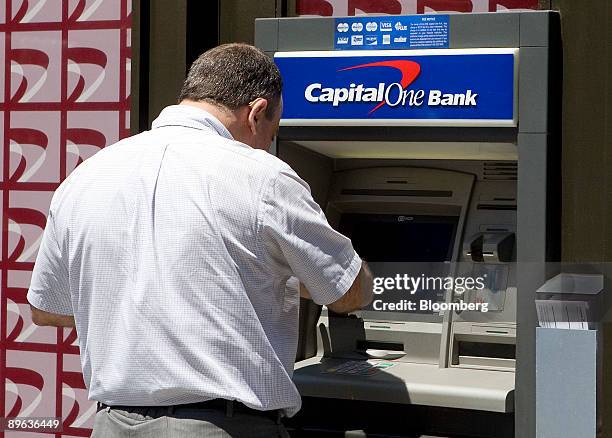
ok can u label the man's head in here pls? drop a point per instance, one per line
(242, 87)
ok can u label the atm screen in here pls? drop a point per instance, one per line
(402, 244)
(400, 238)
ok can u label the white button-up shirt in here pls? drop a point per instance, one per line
(172, 249)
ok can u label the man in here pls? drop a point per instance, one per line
(171, 250)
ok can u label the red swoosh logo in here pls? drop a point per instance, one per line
(410, 71)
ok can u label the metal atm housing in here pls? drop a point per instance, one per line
(494, 189)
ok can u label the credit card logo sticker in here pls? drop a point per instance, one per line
(371, 41)
(342, 27)
(342, 40)
(386, 39)
(386, 26)
(415, 32)
(357, 40)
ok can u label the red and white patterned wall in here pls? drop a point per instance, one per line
(64, 94)
(359, 7)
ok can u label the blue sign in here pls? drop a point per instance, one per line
(450, 87)
(392, 32)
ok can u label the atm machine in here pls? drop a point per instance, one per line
(433, 143)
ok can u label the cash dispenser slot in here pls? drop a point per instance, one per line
(486, 349)
(364, 345)
(381, 349)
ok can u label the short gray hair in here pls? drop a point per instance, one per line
(233, 75)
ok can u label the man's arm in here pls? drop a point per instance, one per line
(42, 318)
(300, 242)
(49, 287)
(357, 297)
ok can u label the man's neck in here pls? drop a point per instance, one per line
(227, 117)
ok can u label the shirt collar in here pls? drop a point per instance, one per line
(190, 117)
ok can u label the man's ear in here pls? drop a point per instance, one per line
(257, 111)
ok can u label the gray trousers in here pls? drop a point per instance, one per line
(183, 423)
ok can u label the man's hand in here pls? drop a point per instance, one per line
(357, 297)
(304, 292)
(40, 317)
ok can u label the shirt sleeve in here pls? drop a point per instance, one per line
(49, 288)
(301, 242)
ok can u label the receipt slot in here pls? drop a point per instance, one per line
(428, 140)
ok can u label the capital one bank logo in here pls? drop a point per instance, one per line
(395, 94)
